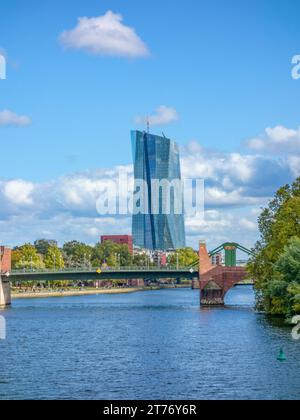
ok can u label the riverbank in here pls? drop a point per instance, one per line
(64, 293)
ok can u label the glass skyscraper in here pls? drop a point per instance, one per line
(156, 159)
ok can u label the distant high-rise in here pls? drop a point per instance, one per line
(156, 159)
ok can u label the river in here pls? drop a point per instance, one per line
(146, 345)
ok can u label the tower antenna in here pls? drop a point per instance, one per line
(148, 125)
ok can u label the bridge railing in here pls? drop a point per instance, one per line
(99, 270)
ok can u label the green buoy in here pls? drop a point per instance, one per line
(282, 356)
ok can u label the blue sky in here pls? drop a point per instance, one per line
(223, 67)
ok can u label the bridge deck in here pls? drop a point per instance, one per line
(106, 274)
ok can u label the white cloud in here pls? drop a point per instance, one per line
(19, 192)
(163, 115)
(212, 222)
(204, 164)
(234, 179)
(217, 227)
(216, 197)
(9, 118)
(277, 140)
(105, 35)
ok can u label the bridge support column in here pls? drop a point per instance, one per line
(5, 293)
(5, 268)
(212, 297)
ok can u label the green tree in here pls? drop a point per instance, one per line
(54, 258)
(288, 267)
(184, 257)
(126, 258)
(42, 246)
(26, 257)
(106, 253)
(111, 254)
(16, 258)
(77, 254)
(278, 224)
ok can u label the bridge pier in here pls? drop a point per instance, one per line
(212, 296)
(5, 268)
(5, 293)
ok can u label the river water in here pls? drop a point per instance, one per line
(146, 345)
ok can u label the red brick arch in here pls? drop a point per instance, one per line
(216, 280)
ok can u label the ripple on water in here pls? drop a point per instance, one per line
(148, 345)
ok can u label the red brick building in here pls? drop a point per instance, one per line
(120, 240)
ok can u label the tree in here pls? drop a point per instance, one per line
(271, 267)
(184, 257)
(54, 258)
(27, 257)
(106, 253)
(126, 258)
(42, 246)
(77, 254)
(142, 260)
(111, 254)
(288, 267)
(16, 258)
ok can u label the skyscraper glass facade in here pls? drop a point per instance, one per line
(157, 159)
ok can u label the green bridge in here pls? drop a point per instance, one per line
(127, 273)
